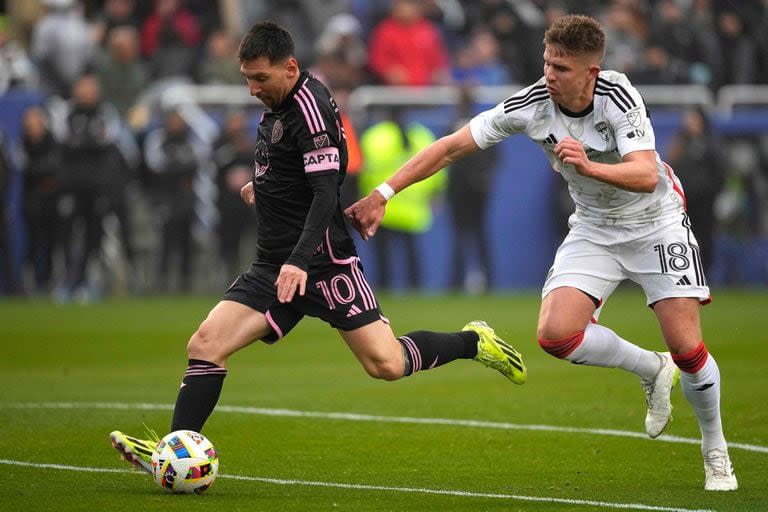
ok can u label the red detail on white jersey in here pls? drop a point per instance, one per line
(675, 184)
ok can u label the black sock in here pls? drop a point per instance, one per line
(425, 350)
(198, 395)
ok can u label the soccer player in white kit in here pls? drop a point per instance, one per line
(630, 222)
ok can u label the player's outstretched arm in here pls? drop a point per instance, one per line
(366, 214)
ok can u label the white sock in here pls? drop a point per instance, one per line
(603, 347)
(702, 390)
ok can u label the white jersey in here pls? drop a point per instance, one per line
(617, 123)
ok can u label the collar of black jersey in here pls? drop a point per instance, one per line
(302, 77)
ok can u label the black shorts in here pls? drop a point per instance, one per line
(337, 293)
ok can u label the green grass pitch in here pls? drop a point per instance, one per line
(459, 438)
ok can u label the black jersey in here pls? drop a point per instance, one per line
(300, 163)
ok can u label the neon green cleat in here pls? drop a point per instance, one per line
(136, 451)
(496, 353)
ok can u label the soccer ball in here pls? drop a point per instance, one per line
(184, 462)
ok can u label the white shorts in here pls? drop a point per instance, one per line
(664, 259)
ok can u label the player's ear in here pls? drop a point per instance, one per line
(594, 70)
(291, 67)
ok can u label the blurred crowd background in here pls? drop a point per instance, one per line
(127, 132)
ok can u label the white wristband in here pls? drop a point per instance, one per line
(386, 191)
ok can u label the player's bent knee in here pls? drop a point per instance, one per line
(202, 345)
(384, 370)
(562, 348)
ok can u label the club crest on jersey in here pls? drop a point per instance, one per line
(322, 141)
(277, 132)
(602, 129)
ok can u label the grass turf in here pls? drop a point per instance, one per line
(132, 351)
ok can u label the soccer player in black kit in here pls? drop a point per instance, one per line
(306, 263)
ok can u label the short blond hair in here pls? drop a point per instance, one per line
(576, 34)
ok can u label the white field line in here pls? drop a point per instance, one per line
(347, 416)
(364, 487)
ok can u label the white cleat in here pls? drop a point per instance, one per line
(657, 395)
(718, 471)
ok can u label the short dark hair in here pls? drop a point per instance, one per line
(266, 39)
(576, 34)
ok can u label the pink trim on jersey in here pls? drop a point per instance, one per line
(309, 115)
(323, 159)
(675, 184)
(308, 104)
(313, 105)
(274, 325)
(334, 259)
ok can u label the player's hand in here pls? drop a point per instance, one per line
(366, 214)
(247, 193)
(571, 151)
(291, 277)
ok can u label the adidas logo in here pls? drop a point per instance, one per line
(354, 310)
(684, 281)
(551, 139)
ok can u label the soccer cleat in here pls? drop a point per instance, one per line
(136, 451)
(496, 353)
(718, 471)
(657, 395)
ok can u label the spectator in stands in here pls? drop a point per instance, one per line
(89, 128)
(706, 57)
(760, 36)
(170, 37)
(115, 14)
(671, 30)
(233, 157)
(469, 184)
(62, 46)
(41, 161)
(407, 49)
(518, 42)
(738, 50)
(341, 53)
(658, 67)
(9, 282)
(478, 63)
(387, 145)
(625, 28)
(16, 69)
(695, 155)
(219, 66)
(121, 72)
(174, 157)
(350, 188)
